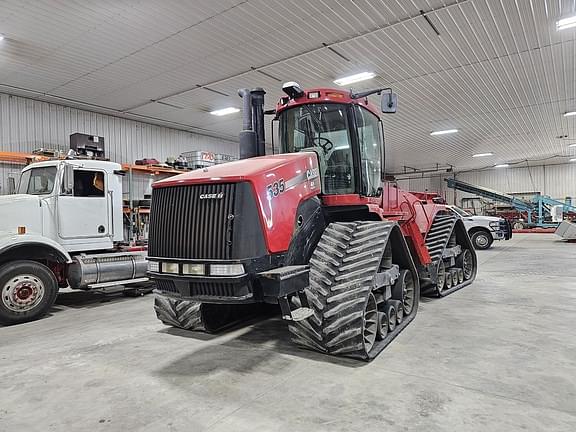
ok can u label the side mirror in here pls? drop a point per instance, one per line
(68, 179)
(389, 102)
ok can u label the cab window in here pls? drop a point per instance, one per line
(38, 181)
(88, 183)
(322, 128)
(370, 141)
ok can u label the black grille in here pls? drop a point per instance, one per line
(212, 289)
(166, 286)
(184, 226)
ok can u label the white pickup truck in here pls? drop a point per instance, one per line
(483, 230)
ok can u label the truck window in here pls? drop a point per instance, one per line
(88, 183)
(37, 181)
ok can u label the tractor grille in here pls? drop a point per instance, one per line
(166, 286)
(212, 289)
(184, 226)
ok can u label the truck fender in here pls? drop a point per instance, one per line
(32, 246)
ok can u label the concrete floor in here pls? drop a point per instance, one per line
(499, 355)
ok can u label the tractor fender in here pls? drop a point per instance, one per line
(31, 246)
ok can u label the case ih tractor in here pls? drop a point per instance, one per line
(315, 229)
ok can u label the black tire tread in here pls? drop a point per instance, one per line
(341, 270)
(182, 314)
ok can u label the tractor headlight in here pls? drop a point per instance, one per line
(226, 269)
(153, 266)
(168, 267)
(193, 269)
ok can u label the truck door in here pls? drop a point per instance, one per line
(83, 212)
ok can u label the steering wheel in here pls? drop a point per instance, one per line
(324, 143)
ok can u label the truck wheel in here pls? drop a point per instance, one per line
(482, 240)
(28, 291)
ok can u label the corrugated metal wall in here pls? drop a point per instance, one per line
(557, 181)
(27, 124)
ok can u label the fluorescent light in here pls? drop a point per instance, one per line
(566, 23)
(1, 37)
(501, 166)
(572, 160)
(363, 76)
(572, 145)
(483, 154)
(444, 132)
(570, 114)
(224, 111)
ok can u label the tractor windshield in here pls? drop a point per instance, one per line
(322, 128)
(37, 181)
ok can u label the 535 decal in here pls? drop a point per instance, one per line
(275, 188)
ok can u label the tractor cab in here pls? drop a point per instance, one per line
(345, 132)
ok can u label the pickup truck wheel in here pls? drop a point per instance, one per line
(482, 240)
(28, 290)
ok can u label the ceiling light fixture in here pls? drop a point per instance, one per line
(444, 132)
(572, 160)
(483, 154)
(572, 145)
(1, 37)
(363, 76)
(224, 111)
(566, 23)
(501, 165)
(570, 114)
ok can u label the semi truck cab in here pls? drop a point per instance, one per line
(63, 228)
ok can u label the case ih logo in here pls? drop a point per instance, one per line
(218, 195)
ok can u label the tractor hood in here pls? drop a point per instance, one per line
(20, 210)
(279, 184)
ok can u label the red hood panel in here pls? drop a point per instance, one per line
(241, 170)
(279, 182)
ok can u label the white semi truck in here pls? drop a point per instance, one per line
(63, 228)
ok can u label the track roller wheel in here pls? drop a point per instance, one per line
(403, 290)
(465, 261)
(398, 307)
(392, 318)
(460, 275)
(382, 325)
(454, 274)
(447, 281)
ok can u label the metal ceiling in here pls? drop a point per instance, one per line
(498, 71)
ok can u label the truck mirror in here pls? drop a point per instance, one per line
(389, 102)
(68, 179)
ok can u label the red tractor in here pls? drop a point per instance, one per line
(315, 229)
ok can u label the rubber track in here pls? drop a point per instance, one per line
(186, 315)
(436, 241)
(341, 271)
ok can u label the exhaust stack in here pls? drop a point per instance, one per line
(252, 139)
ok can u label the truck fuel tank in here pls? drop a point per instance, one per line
(88, 270)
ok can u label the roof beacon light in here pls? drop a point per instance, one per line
(293, 90)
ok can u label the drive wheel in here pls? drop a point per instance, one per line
(28, 290)
(482, 240)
